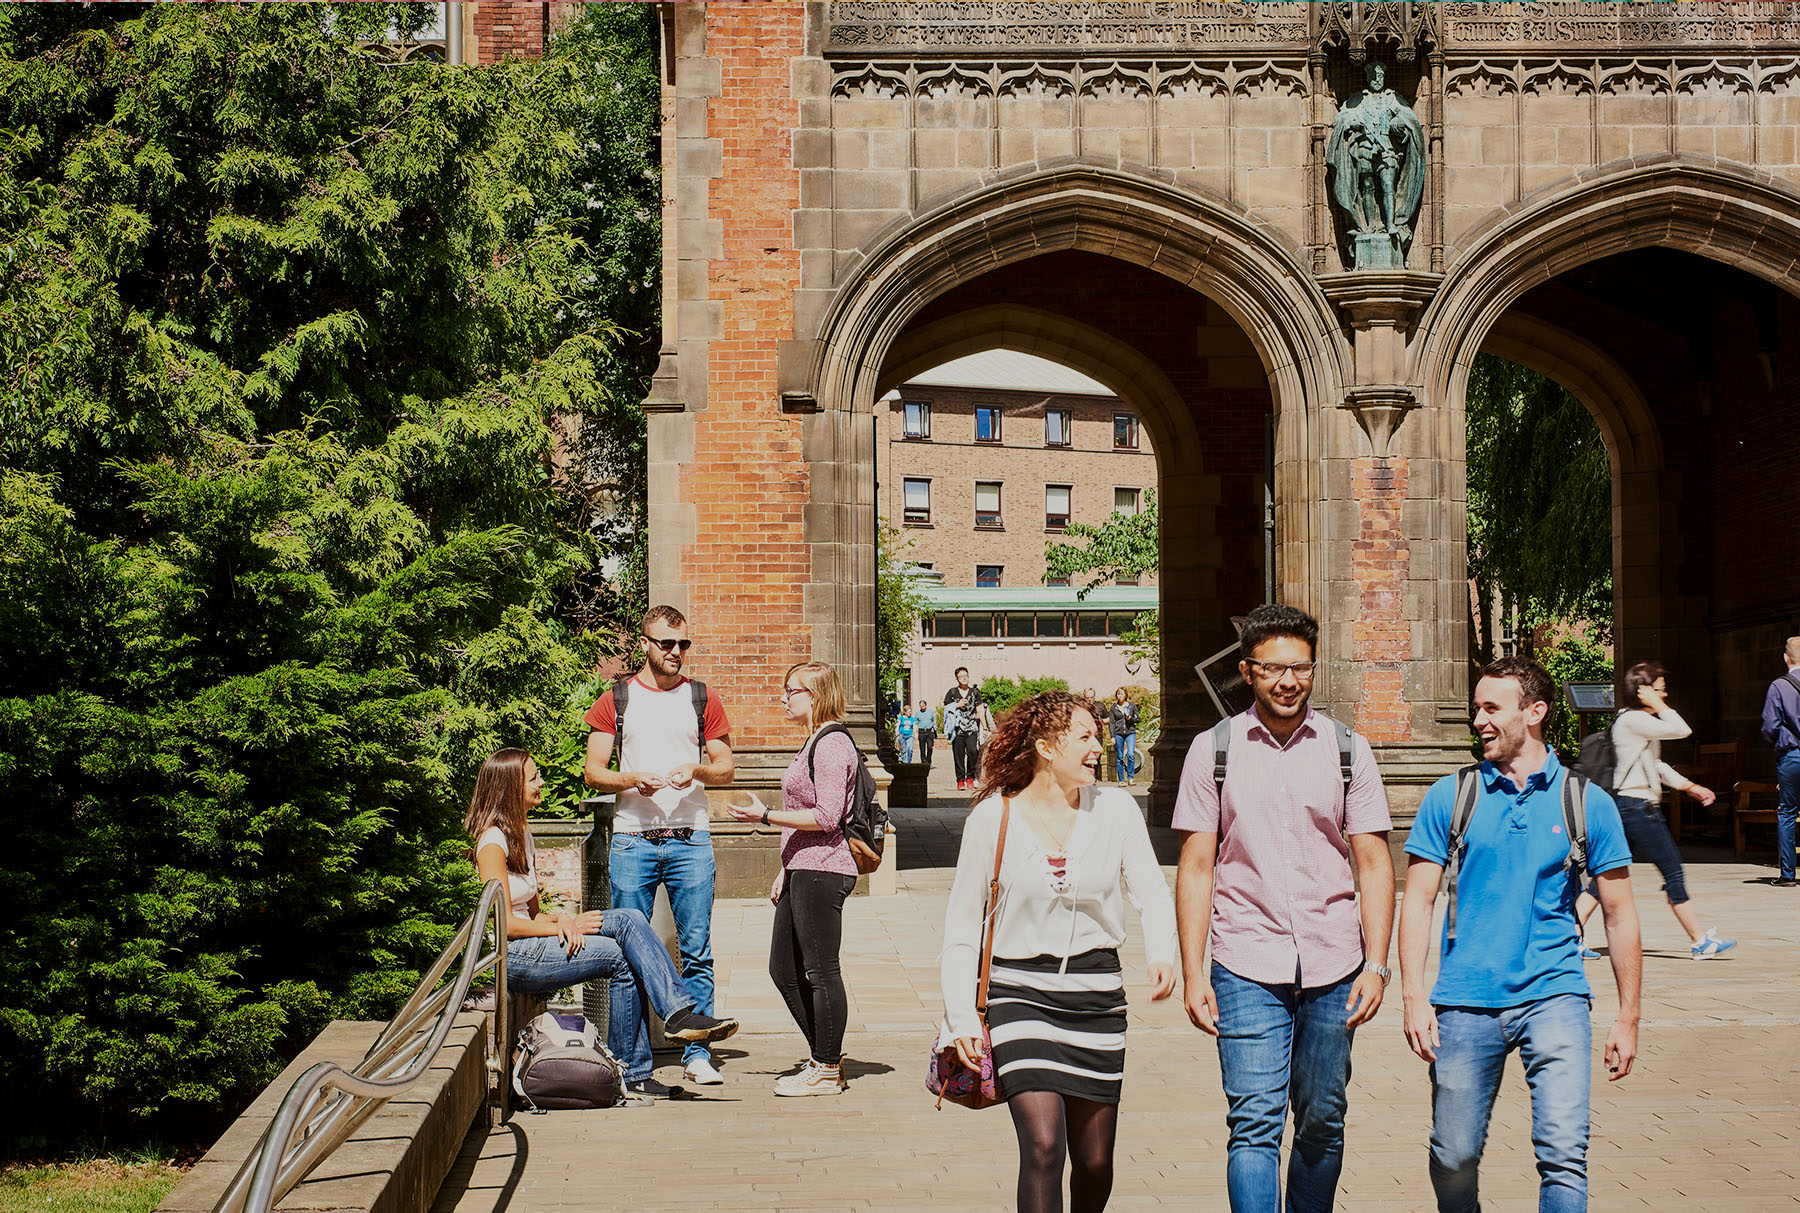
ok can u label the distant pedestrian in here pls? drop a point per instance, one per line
(1123, 721)
(965, 734)
(817, 874)
(1056, 1000)
(925, 727)
(904, 725)
(1298, 939)
(1510, 975)
(673, 741)
(1781, 728)
(1644, 722)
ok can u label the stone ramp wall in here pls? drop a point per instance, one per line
(394, 1163)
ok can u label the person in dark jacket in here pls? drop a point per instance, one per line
(1123, 721)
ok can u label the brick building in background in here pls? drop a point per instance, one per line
(982, 461)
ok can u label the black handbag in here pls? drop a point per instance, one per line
(562, 1063)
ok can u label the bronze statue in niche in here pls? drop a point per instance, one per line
(1377, 162)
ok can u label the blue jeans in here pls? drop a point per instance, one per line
(1787, 778)
(637, 867)
(1282, 1046)
(1647, 834)
(906, 749)
(1125, 755)
(634, 962)
(1554, 1038)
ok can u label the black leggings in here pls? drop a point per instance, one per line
(966, 747)
(1051, 1128)
(803, 957)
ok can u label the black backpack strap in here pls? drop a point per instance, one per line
(699, 694)
(1468, 795)
(621, 691)
(812, 747)
(1221, 748)
(1574, 807)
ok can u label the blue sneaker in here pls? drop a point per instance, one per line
(1588, 953)
(1711, 946)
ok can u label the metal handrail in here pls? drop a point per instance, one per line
(328, 1103)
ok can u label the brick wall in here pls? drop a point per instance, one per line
(1023, 465)
(510, 31)
(748, 481)
(1379, 560)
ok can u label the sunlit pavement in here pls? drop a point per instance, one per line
(1709, 1121)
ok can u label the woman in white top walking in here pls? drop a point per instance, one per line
(1638, 778)
(548, 952)
(1056, 997)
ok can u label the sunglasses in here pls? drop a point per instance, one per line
(671, 644)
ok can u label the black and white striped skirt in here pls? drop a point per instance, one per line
(1059, 1031)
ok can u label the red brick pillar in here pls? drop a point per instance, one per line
(745, 565)
(1379, 561)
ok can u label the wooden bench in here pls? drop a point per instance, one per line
(1744, 814)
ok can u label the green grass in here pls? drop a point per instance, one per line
(97, 1185)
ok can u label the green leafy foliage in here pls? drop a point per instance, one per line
(1002, 695)
(1540, 505)
(317, 437)
(1124, 546)
(1575, 656)
(899, 605)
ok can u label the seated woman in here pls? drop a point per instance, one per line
(548, 952)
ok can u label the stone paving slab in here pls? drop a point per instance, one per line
(1710, 1119)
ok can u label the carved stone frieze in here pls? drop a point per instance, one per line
(1032, 28)
(1619, 26)
(1114, 79)
(1497, 77)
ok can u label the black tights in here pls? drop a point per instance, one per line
(1052, 1127)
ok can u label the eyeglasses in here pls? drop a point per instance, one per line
(793, 691)
(671, 644)
(1275, 669)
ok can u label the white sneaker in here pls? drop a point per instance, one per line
(814, 1079)
(702, 1073)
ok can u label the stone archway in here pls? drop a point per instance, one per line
(1190, 239)
(1700, 209)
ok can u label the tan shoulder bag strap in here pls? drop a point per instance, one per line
(993, 911)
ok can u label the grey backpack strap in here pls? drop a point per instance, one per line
(1468, 794)
(1346, 752)
(1574, 807)
(621, 691)
(1221, 748)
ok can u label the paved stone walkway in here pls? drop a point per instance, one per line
(1709, 1120)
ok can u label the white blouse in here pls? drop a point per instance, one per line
(1109, 859)
(520, 889)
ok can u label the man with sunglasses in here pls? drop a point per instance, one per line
(674, 742)
(1273, 804)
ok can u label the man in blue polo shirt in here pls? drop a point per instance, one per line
(1511, 977)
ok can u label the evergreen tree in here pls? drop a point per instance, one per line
(308, 364)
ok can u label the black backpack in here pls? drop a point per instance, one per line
(1599, 760)
(622, 692)
(865, 825)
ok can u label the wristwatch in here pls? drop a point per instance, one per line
(1381, 971)
(765, 816)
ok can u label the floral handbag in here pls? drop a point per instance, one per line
(945, 1074)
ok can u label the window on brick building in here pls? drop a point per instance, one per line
(918, 501)
(1125, 432)
(1053, 624)
(1059, 427)
(987, 423)
(1090, 623)
(947, 626)
(1128, 501)
(987, 504)
(918, 418)
(1056, 506)
(978, 625)
(987, 576)
(1057, 583)
(1020, 627)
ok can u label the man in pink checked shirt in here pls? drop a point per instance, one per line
(1274, 803)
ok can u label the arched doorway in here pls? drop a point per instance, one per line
(1664, 298)
(1032, 263)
